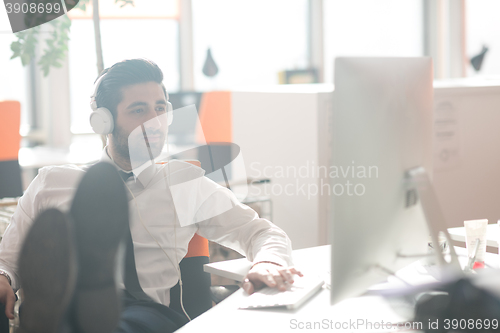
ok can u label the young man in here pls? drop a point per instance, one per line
(133, 93)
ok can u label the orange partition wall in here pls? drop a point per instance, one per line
(215, 117)
(198, 247)
(10, 121)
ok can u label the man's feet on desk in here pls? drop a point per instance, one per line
(90, 236)
(47, 271)
(100, 214)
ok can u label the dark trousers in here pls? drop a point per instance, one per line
(148, 317)
(4, 321)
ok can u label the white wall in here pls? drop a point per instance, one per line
(288, 126)
(467, 150)
(285, 127)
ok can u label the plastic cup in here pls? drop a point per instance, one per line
(475, 230)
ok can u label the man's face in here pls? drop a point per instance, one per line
(140, 114)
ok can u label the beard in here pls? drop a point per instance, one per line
(135, 147)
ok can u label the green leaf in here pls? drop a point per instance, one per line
(82, 5)
(123, 3)
(25, 59)
(56, 46)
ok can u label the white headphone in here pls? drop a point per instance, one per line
(101, 118)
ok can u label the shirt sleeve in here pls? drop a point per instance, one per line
(20, 223)
(241, 229)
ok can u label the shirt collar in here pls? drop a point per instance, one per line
(143, 173)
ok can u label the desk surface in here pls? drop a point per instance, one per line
(237, 269)
(226, 317)
(314, 260)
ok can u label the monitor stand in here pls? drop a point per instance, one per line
(420, 188)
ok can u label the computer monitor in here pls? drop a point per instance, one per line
(382, 202)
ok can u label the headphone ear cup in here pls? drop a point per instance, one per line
(170, 113)
(101, 121)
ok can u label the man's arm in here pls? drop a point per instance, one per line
(52, 187)
(7, 297)
(18, 228)
(11, 243)
(269, 274)
(263, 243)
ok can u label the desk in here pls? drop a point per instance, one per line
(313, 259)
(226, 317)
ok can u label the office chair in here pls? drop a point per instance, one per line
(198, 293)
(196, 283)
(10, 171)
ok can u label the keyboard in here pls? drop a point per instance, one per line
(295, 295)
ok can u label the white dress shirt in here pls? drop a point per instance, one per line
(153, 221)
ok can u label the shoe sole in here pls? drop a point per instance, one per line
(47, 271)
(101, 217)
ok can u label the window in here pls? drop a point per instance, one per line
(155, 39)
(371, 28)
(251, 41)
(14, 83)
(483, 28)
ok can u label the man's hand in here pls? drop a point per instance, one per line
(7, 297)
(268, 274)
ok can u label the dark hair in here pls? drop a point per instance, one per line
(122, 74)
